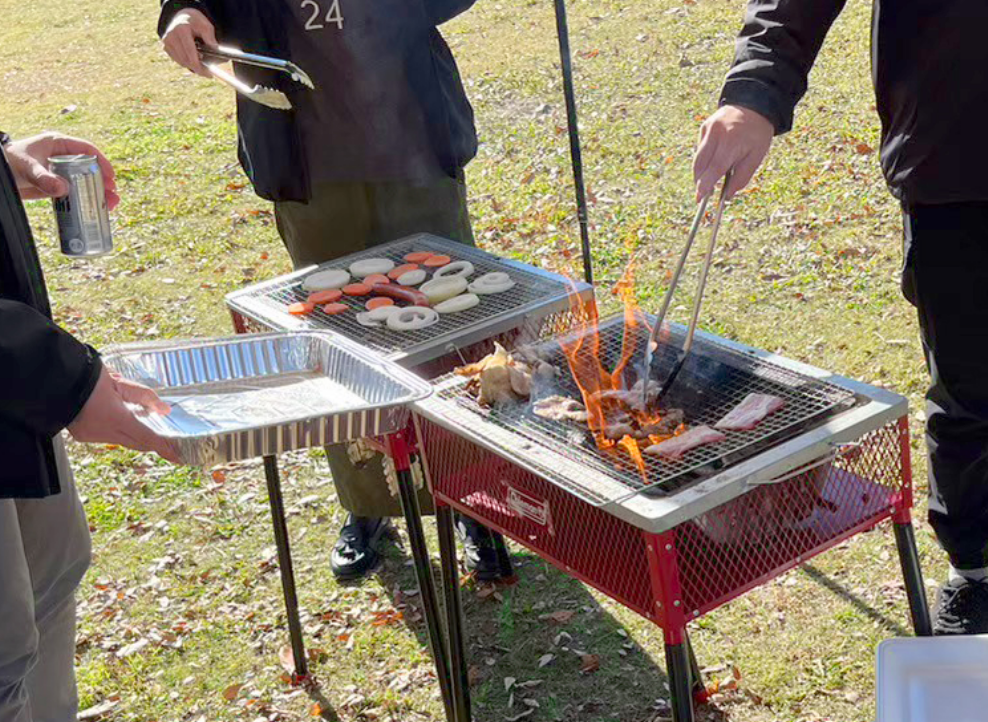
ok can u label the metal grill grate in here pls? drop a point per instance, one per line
(536, 293)
(713, 381)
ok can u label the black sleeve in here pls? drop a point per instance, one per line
(46, 376)
(440, 11)
(775, 51)
(170, 8)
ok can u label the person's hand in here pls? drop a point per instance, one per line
(28, 159)
(732, 138)
(180, 39)
(105, 419)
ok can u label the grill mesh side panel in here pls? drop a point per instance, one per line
(720, 554)
(580, 538)
(771, 528)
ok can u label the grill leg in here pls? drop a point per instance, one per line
(699, 689)
(905, 540)
(454, 613)
(398, 448)
(678, 669)
(285, 567)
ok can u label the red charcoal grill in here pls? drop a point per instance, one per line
(703, 530)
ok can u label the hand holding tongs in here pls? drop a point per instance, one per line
(674, 283)
(258, 93)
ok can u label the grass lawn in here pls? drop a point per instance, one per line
(181, 615)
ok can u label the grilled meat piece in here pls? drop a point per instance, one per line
(677, 446)
(750, 412)
(560, 408)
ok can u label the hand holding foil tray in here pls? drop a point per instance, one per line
(262, 394)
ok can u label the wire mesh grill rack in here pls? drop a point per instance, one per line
(536, 294)
(715, 379)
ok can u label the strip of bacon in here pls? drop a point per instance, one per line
(675, 447)
(750, 412)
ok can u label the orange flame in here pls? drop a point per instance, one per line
(599, 387)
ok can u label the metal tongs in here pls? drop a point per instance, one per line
(258, 93)
(702, 283)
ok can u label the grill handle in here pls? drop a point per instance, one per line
(837, 452)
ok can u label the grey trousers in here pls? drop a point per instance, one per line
(344, 218)
(44, 553)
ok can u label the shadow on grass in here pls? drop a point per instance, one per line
(512, 631)
(855, 601)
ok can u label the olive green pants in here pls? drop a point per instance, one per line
(344, 218)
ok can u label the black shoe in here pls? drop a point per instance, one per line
(484, 551)
(355, 554)
(962, 608)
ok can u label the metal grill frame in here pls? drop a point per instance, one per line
(540, 293)
(876, 407)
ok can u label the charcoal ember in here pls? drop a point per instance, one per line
(668, 423)
(560, 408)
(618, 426)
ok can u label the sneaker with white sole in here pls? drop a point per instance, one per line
(962, 608)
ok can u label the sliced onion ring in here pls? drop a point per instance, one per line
(458, 304)
(440, 289)
(454, 270)
(491, 283)
(326, 280)
(412, 278)
(370, 266)
(377, 317)
(413, 318)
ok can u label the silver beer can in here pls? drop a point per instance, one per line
(82, 216)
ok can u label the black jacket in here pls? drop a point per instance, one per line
(270, 151)
(46, 376)
(928, 57)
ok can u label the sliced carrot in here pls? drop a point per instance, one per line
(401, 270)
(379, 302)
(376, 278)
(357, 289)
(301, 309)
(327, 296)
(419, 256)
(436, 261)
(334, 308)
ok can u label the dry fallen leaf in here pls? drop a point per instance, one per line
(545, 659)
(562, 616)
(509, 682)
(589, 663)
(521, 715)
(316, 710)
(287, 659)
(474, 675)
(231, 692)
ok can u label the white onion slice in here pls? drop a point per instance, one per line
(382, 313)
(364, 319)
(491, 283)
(458, 304)
(413, 318)
(440, 289)
(326, 280)
(454, 270)
(371, 266)
(412, 278)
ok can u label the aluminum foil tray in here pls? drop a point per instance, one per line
(262, 394)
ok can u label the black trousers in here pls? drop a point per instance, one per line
(946, 277)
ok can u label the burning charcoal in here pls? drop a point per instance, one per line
(619, 427)
(560, 408)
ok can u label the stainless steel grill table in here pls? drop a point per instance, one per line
(691, 534)
(536, 308)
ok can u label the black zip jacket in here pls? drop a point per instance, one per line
(46, 376)
(928, 57)
(270, 151)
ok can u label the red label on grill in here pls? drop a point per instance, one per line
(526, 506)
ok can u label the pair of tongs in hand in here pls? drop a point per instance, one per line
(698, 300)
(258, 93)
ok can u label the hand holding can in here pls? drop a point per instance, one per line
(81, 214)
